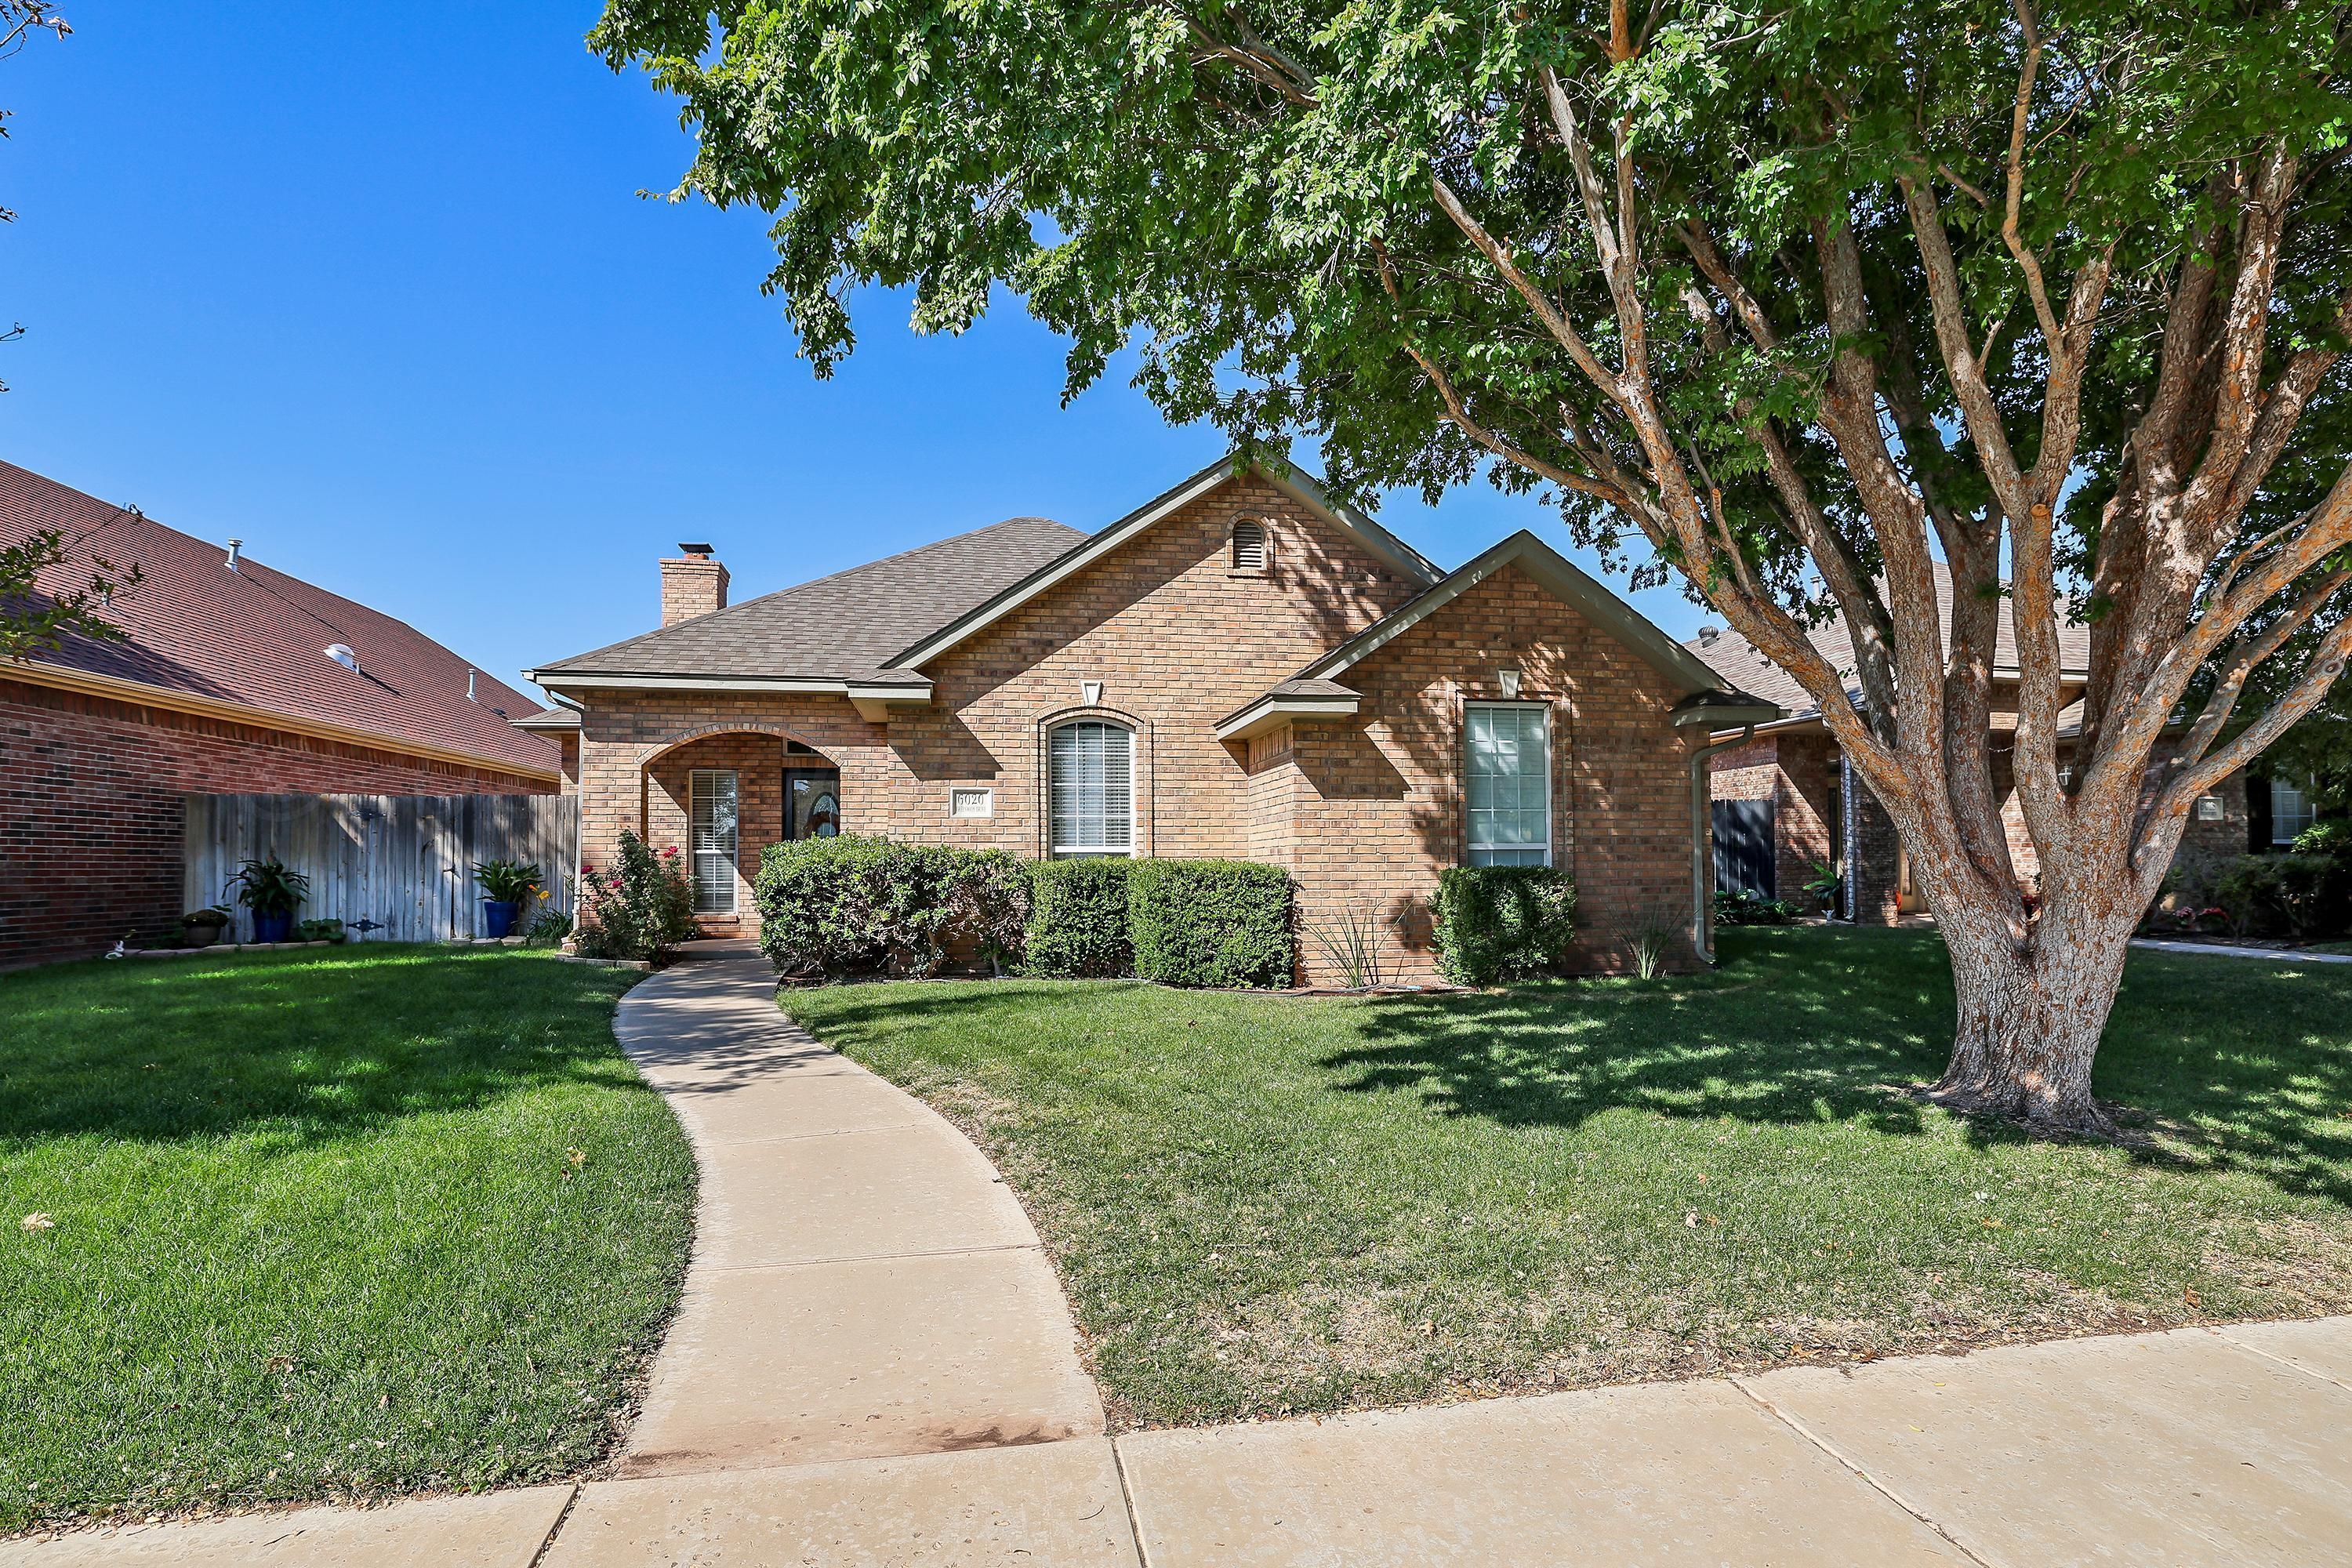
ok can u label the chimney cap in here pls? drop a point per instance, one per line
(695, 549)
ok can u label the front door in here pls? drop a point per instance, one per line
(812, 803)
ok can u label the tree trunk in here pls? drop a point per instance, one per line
(2031, 1016)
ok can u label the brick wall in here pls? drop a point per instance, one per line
(1381, 808)
(91, 815)
(1177, 638)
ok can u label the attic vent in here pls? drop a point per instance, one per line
(341, 654)
(1249, 545)
(1706, 635)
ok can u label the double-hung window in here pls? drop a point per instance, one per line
(1506, 774)
(713, 813)
(1091, 782)
(2292, 811)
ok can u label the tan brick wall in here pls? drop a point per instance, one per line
(1177, 638)
(1382, 811)
(691, 585)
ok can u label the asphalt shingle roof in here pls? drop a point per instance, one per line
(1737, 659)
(257, 637)
(846, 627)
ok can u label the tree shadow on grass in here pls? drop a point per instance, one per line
(307, 1048)
(2249, 1066)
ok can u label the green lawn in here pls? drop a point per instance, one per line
(324, 1224)
(1265, 1205)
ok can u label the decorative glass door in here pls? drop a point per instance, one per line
(812, 803)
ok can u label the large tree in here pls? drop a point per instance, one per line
(1810, 295)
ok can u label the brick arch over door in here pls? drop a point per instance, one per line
(648, 751)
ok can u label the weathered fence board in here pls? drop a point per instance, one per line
(393, 867)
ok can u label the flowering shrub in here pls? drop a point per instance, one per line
(639, 907)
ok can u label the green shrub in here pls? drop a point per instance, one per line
(2314, 892)
(1746, 906)
(1223, 923)
(1495, 924)
(1078, 924)
(851, 904)
(638, 908)
(2332, 837)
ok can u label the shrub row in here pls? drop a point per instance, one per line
(850, 906)
(1495, 923)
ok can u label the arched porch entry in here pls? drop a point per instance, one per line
(721, 795)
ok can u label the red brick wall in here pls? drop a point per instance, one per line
(91, 814)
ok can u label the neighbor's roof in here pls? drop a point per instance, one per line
(1740, 663)
(849, 626)
(255, 639)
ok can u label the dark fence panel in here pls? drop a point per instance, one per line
(1744, 860)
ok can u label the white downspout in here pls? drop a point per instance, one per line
(1702, 863)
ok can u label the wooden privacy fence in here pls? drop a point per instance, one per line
(393, 867)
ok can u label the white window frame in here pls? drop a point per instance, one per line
(2305, 813)
(696, 793)
(1056, 844)
(1471, 847)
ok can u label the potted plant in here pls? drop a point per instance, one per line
(506, 886)
(273, 891)
(204, 927)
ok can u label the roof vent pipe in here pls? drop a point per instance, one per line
(341, 654)
(236, 553)
(469, 683)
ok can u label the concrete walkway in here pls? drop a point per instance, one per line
(874, 1366)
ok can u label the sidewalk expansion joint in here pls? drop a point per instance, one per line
(803, 1137)
(2227, 1339)
(547, 1542)
(876, 1257)
(1127, 1496)
(1873, 1482)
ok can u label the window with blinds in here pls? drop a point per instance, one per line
(713, 815)
(1091, 766)
(1249, 545)
(1506, 778)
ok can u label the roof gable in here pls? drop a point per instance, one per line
(1558, 576)
(1298, 485)
(255, 639)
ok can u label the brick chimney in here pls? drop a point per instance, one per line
(692, 584)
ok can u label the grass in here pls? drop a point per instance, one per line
(1266, 1205)
(328, 1223)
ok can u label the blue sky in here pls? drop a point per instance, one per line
(379, 295)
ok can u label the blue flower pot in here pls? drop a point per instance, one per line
(273, 926)
(499, 917)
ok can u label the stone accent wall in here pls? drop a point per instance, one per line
(91, 818)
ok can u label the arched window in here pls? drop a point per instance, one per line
(1091, 765)
(1249, 545)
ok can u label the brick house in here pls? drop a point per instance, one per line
(1788, 801)
(1240, 667)
(233, 677)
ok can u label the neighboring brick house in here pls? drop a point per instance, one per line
(1790, 796)
(233, 677)
(1239, 667)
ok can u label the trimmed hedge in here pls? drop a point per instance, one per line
(1223, 923)
(1078, 926)
(1503, 923)
(856, 905)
